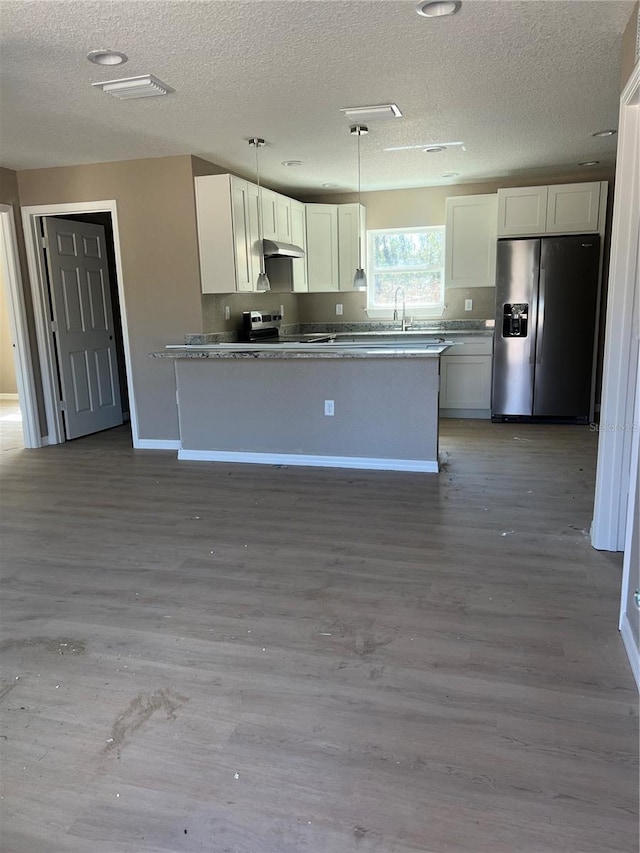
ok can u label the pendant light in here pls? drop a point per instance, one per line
(263, 280)
(360, 277)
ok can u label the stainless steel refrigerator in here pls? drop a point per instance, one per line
(546, 295)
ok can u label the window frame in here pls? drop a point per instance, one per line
(422, 310)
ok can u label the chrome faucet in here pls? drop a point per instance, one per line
(404, 325)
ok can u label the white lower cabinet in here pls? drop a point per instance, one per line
(465, 379)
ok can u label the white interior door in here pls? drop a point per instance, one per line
(83, 326)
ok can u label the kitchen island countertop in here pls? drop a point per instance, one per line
(315, 351)
(351, 405)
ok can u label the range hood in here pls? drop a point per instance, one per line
(276, 249)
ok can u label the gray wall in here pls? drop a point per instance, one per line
(384, 408)
(160, 271)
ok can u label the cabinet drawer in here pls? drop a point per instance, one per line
(470, 346)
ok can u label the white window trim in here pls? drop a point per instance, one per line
(418, 312)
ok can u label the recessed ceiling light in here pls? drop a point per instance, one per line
(377, 112)
(589, 163)
(426, 145)
(434, 149)
(145, 86)
(451, 175)
(330, 186)
(438, 8)
(107, 57)
(605, 133)
(292, 162)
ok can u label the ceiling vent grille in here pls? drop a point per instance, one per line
(375, 113)
(146, 86)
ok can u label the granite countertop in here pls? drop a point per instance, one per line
(439, 334)
(300, 351)
(303, 331)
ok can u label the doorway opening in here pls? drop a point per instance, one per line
(86, 381)
(19, 418)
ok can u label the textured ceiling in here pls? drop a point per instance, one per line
(523, 84)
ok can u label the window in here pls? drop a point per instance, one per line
(410, 258)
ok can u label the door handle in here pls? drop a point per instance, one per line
(540, 335)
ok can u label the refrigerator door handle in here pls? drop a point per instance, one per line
(540, 335)
(532, 346)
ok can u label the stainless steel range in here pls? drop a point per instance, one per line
(259, 327)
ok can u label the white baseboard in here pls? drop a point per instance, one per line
(157, 444)
(629, 642)
(424, 466)
(8, 397)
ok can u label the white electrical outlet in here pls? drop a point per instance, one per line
(339, 309)
(329, 408)
(468, 304)
(227, 312)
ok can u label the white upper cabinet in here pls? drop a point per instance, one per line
(227, 234)
(299, 238)
(242, 234)
(283, 218)
(269, 214)
(276, 216)
(555, 209)
(333, 234)
(522, 211)
(229, 248)
(470, 241)
(322, 247)
(350, 238)
(573, 207)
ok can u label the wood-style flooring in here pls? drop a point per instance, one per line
(252, 659)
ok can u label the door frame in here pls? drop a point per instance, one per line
(39, 292)
(13, 287)
(629, 572)
(619, 370)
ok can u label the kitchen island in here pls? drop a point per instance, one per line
(366, 406)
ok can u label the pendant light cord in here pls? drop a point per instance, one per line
(359, 210)
(260, 235)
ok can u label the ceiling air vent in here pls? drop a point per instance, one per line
(375, 113)
(146, 86)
